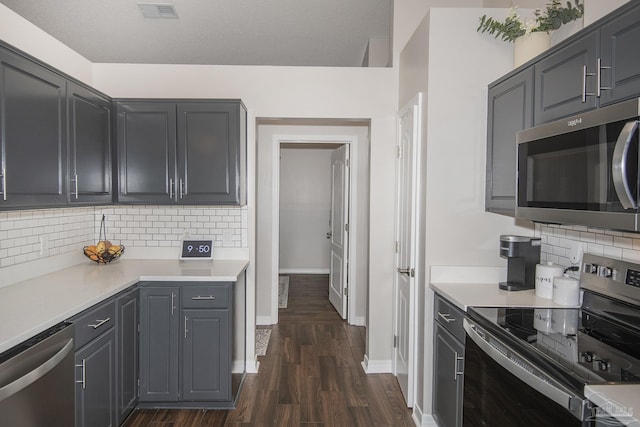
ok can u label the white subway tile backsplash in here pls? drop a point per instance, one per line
(67, 230)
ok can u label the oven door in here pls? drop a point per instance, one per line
(501, 388)
(582, 170)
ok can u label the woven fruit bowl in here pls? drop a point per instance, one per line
(103, 252)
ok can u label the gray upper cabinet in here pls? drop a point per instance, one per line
(565, 81)
(182, 152)
(89, 146)
(620, 61)
(509, 111)
(146, 134)
(33, 138)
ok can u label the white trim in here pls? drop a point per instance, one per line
(352, 141)
(416, 415)
(376, 366)
(252, 366)
(358, 321)
(428, 421)
(304, 271)
(265, 320)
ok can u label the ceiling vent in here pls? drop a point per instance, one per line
(163, 11)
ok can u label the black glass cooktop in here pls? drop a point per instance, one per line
(590, 347)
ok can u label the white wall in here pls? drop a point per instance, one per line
(305, 205)
(445, 66)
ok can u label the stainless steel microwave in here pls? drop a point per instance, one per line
(582, 170)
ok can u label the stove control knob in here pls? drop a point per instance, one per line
(591, 268)
(586, 357)
(604, 365)
(604, 271)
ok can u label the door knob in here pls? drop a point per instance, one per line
(408, 271)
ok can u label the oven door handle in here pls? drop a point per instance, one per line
(526, 372)
(619, 165)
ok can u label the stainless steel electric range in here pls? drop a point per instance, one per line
(527, 366)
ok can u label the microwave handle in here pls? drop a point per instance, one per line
(619, 165)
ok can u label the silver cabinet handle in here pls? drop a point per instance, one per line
(4, 184)
(599, 86)
(100, 322)
(84, 374)
(171, 188)
(182, 188)
(173, 300)
(456, 360)
(619, 165)
(203, 297)
(446, 318)
(75, 181)
(185, 326)
(36, 373)
(585, 74)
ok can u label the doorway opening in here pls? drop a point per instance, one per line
(285, 244)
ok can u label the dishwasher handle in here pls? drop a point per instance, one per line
(35, 374)
(525, 371)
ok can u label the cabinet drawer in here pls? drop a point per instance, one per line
(91, 323)
(207, 296)
(450, 317)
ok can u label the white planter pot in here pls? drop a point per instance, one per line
(529, 46)
(566, 30)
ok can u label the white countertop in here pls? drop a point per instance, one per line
(31, 306)
(621, 401)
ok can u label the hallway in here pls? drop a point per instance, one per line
(310, 376)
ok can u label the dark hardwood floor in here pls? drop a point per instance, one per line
(311, 376)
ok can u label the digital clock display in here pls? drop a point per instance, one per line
(197, 249)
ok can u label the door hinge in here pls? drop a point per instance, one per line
(395, 341)
(346, 228)
(399, 152)
(346, 290)
(397, 246)
(348, 162)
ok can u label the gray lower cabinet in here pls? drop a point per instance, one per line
(185, 344)
(159, 344)
(186, 152)
(448, 363)
(127, 320)
(95, 372)
(510, 110)
(33, 128)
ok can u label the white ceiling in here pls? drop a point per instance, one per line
(216, 32)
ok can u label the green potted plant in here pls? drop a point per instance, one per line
(531, 36)
(549, 19)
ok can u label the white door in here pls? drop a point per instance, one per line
(405, 260)
(338, 229)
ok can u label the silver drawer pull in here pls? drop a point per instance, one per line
(83, 381)
(203, 297)
(100, 323)
(446, 318)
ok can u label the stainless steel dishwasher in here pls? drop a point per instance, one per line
(37, 381)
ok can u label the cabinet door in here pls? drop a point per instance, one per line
(127, 354)
(89, 146)
(510, 110)
(159, 327)
(560, 83)
(209, 152)
(95, 382)
(146, 152)
(448, 381)
(619, 51)
(206, 368)
(33, 139)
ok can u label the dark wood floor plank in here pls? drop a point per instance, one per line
(311, 376)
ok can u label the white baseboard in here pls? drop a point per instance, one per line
(376, 366)
(358, 321)
(264, 321)
(304, 271)
(428, 421)
(416, 415)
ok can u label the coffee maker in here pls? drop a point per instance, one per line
(522, 254)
